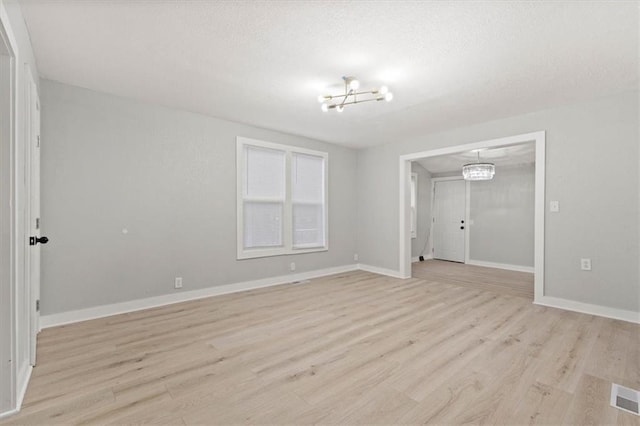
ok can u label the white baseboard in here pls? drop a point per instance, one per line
(22, 390)
(69, 317)
(22, 387)
(382, 271)
(587, 308)
(8, 413)
(506, 266)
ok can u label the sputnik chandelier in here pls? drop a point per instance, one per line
(352, 96)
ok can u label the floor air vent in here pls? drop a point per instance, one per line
(625, 399)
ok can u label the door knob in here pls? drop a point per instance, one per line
(35, 240)
(462, 227)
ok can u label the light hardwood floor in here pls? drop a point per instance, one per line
(497, 280)
(350, 348)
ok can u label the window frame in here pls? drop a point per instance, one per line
(414, 208)
(287, 247)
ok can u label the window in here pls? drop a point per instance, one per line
(281, 200)
(414, 205)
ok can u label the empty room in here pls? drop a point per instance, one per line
(319, 212)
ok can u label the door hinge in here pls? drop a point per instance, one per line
(37, 223)
(38, 142)
(38, 305)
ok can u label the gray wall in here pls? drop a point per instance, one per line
(502, 213)
(591, 168)
(419, 246)
(168, 177)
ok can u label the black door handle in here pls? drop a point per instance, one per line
(35, 240)
(462, 227)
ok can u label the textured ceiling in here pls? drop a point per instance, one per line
(448, 63)
(514, 155)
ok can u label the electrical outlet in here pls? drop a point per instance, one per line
(554, 206)
(355, 257)
(292, 266)
(585, 264)
(178, 283)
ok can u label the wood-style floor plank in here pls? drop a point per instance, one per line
(455, 344)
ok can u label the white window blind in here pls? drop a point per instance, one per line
(282, 199)
(263, 197)
(307, 197)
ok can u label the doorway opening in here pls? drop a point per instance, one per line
(448, 238)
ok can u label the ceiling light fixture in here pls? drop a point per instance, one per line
(352, 96)
(478, 171)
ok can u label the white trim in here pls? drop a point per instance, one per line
(15, 236)
(404, 260)
(588, 308)
(8, 413)
(414, 195)
(404, 252)
(381, 271)
(69, 317)
(287, 247)
(22, 389)
(539, 226)
(508, 267)
(467, 221)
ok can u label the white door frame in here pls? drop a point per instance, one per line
(467, 212)
(32, 164)
(8, 222)
(539, 138)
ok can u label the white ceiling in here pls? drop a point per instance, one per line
(448, 63)
(507, 156)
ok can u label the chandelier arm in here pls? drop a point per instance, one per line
(368, 92)
(346, 97)
(355, 102)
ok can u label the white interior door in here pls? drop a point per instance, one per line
(33, 212)
(448, 220)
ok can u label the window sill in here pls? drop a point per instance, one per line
(256, 253)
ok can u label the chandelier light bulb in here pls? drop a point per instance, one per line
(339, 108)
(383, 90)
(324, 107)
(321, 98)
(388, 96)
(354, 84)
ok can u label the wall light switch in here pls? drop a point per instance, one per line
(292, 266)
(554, 206)
(585, 264)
